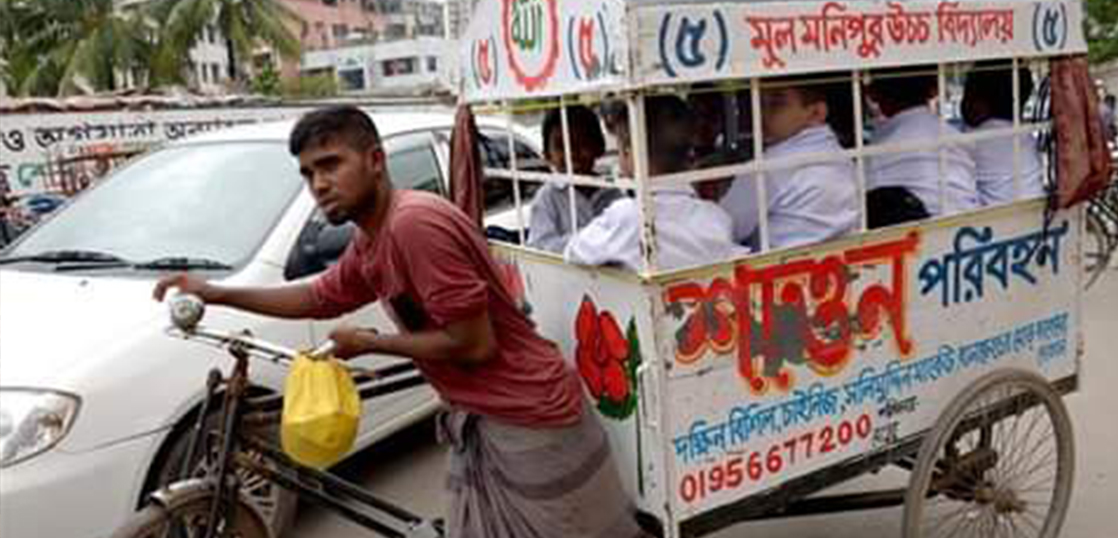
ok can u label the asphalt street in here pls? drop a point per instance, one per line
(408, 469)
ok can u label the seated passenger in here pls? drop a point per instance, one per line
(550, 226)
(716, 140)
(902, 96)
(806, 203)
(688, 230)
(988, 105)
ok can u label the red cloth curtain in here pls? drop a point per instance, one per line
(466, 167)
(1082, 159)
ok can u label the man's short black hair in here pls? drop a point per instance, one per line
(812, 88)
(992, 83)
(670, 124)
(582, 123)
(905, 87)
(353, 126)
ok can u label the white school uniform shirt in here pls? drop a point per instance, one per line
(689, 231)
(808, 203)
(918, 171)
(550, 225)
(993, 160)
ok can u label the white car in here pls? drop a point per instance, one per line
(94, 395)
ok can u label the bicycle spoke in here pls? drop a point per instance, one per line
(1012, 526)
(1032, 523)
(1026, 455)
(959, 513)
(1019, 449)
(1035, 466)
(1001, 469)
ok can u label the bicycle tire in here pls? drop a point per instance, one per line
(181, 508)
(988, 521)
(278, 506)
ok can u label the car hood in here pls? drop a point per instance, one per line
(50, 322)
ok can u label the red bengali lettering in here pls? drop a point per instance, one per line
(808, 299)
(772, 35)
(973, 26)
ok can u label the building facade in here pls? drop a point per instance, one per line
(375, 45)
(209, 61)
(418, 64)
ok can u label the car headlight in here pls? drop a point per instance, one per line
(32, 421)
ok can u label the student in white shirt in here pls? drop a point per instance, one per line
(688, 230)
(988, 105)
(550, 227)
(807, 203)
(902, 95)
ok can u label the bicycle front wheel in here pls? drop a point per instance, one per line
(184, 512)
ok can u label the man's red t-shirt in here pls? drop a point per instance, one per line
(432, 267)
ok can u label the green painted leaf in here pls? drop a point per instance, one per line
(623, 410)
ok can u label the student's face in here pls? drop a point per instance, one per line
(583, 155)
(784, 113)
(342, 179)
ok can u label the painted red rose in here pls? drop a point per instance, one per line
(602, 354)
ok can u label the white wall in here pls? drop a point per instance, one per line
(210, 57)
(372, 59)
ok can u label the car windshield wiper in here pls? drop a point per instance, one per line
(85, 257)
(182, 263)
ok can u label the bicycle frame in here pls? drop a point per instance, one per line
(240, 414)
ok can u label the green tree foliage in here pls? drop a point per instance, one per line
(62, 47)
(243, 23)
(267, 81)
(311, 86)
(1102, 30)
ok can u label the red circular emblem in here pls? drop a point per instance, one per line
(530, 30)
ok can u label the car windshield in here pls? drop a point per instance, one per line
(214, 202)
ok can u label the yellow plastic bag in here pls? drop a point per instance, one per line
(321, 411)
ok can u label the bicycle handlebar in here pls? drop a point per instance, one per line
(187, 311)
(252, 345)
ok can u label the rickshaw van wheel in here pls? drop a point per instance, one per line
(998, 462)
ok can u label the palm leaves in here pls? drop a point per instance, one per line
(63, 47)
(243, 23)
(1102, 30)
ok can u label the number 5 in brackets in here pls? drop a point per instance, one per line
(688, 41)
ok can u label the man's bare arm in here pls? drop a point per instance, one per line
(285, 301)
(469, 341)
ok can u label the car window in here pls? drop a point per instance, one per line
(412, 163)
(495, 152)
(212, 201)
(319, 246)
